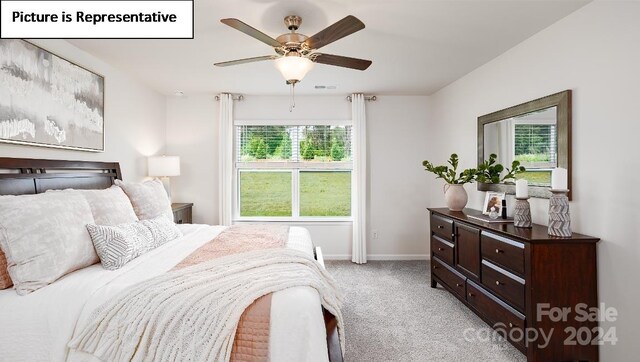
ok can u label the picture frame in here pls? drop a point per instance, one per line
(493, 199)
(49, 101)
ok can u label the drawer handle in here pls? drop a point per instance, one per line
(458, 285)
(440, 227)
(471, 294)
(440, 249)
(499, 283)
(511, 325)
(435, 267)
(498, 251)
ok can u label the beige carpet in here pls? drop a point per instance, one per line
(392, 314)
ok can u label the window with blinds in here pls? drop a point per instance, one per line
(319, 143)
(293, 171)
(535, 145)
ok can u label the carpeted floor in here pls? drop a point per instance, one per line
(392, 314)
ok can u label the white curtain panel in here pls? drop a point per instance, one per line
(506, 146)
(359, 179)
(225, 168)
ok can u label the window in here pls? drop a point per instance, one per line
(293, 171)
(536, 149)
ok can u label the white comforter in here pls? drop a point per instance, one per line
(38, 326)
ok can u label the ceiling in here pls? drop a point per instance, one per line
(417, 46)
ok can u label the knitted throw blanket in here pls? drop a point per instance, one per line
(192, 314)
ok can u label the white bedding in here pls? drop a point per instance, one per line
(37, 327)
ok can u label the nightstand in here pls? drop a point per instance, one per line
(182, 213)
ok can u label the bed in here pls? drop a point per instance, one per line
(38, 326)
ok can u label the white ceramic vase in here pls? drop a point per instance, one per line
(456, 196)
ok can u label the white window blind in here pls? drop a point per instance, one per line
(535, 145)
(309, 146)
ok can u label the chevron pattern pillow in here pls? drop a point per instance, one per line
(118, 245)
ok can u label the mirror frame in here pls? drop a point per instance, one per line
(562, 101)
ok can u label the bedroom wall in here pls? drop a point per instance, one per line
(594, 52)
(134, 118)
(397, 196)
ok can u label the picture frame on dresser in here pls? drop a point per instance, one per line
(52, 102)
(493, 199)
(506, 274)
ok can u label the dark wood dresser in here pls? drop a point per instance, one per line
(506, 275)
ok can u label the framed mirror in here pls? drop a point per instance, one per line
(536, 133)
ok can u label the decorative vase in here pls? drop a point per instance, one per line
(456, 196)
(559, 216)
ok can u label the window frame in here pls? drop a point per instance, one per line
(287, 166)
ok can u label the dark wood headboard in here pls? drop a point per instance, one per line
(20, 176)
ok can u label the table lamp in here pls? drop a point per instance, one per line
(164, 167)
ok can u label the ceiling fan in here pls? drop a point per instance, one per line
(296, 53)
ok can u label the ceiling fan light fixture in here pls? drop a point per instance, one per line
(293, 68)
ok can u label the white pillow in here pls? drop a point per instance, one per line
(118, 245)
(109, 206)
(149, 199)
(44, 237)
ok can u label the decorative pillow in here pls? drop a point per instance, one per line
(109, 206)
(44, 237)
(118, 245)
(149, 199)
(5, 279)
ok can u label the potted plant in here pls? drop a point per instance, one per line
(489, 171)
(454, 192)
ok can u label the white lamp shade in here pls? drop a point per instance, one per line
(293, 67)
(162, 166)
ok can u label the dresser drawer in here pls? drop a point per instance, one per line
(442, 227)
(504, 252)
(508, 286)
(501, 317)
(453, 279)
(442, 248)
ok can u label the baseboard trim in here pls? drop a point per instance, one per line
(380, 257)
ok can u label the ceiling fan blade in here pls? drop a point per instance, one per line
(245, 60)
(340, 61)
(253, 32)
(338, 30)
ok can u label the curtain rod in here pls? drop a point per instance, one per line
(238, 97)
(366, 98)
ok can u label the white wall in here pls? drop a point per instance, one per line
(594, 52)
(397, 195)
(134, 118)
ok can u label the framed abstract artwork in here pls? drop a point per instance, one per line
(48, 101)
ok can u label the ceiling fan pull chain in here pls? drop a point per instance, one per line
(292, 104)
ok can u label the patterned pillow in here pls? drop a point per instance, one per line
(44, 237)
(149, 199)
(118, 245)
(5, 279)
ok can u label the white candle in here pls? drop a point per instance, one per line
(522, 189)
(559, 179)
